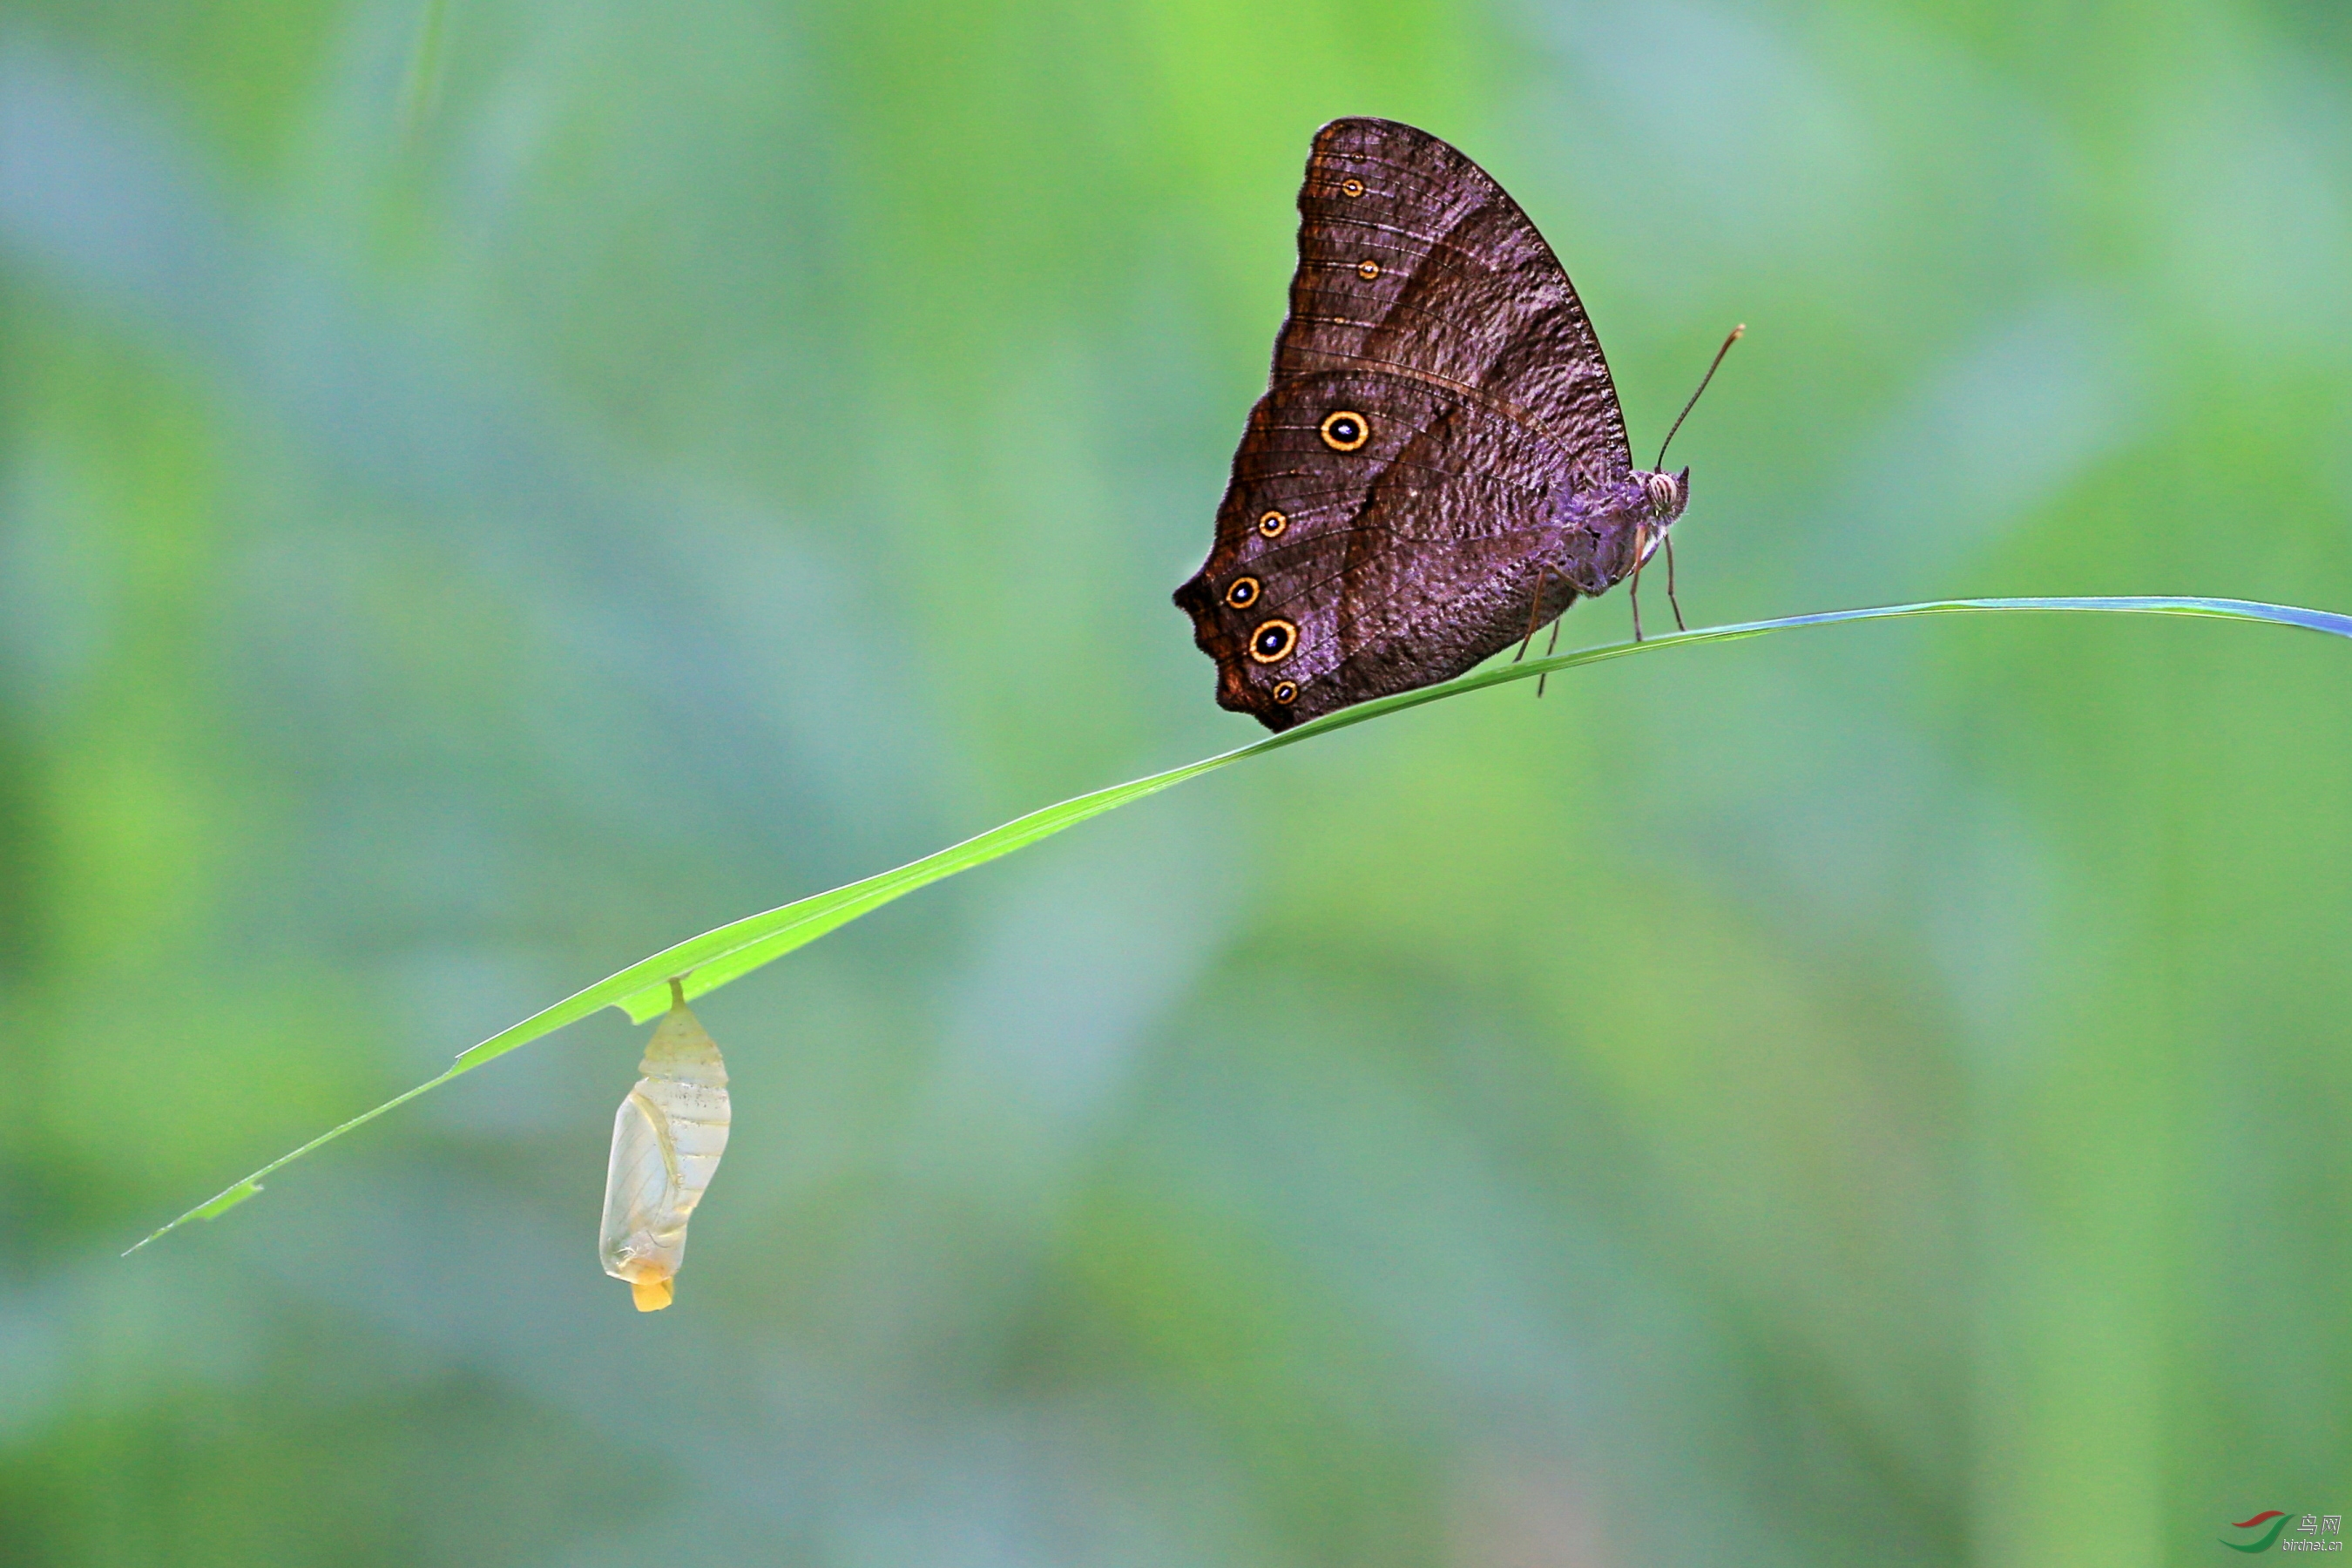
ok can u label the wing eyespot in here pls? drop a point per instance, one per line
(1273, 640)
(1286, 692)
(1271, 524)
(1351, 186)
(1243, 593)
(1368, 269)
(1344, 430)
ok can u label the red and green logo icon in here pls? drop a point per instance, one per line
(2314, 1533)
(2271, 1517)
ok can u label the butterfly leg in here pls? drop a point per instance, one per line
(1550, 649)
(1634, 597)
(1534, 610)
(1670, 585)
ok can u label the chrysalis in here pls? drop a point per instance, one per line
(667, 1141)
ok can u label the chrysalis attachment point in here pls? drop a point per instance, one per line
(666, 1139)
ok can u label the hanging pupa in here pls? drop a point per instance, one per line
(667, 1141)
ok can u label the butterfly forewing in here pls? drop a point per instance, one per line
(1460, 286)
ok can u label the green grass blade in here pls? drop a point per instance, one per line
(714, 957)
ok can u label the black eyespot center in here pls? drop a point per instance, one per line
(1344, 430)
(1273, 640)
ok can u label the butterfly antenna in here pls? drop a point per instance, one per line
(1735, 333)
(1671, 601)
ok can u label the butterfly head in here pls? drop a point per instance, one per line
(1668, 493)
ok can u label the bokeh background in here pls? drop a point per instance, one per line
(489, 488)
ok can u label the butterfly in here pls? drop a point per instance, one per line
(1439, 465)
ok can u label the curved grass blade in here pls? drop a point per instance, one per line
(709, 960)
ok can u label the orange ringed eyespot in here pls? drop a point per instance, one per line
(1273, 640)
(1351, 188)
(1286, 692)
(1243, 593)
(1272, 523)
(1368, 269)
(1344, 430)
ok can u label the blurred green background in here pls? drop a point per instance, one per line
(489, 488)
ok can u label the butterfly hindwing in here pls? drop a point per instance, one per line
(1417, 550)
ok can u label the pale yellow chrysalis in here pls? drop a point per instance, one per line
(667, 1141)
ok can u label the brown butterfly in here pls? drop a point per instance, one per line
(1439, 466)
